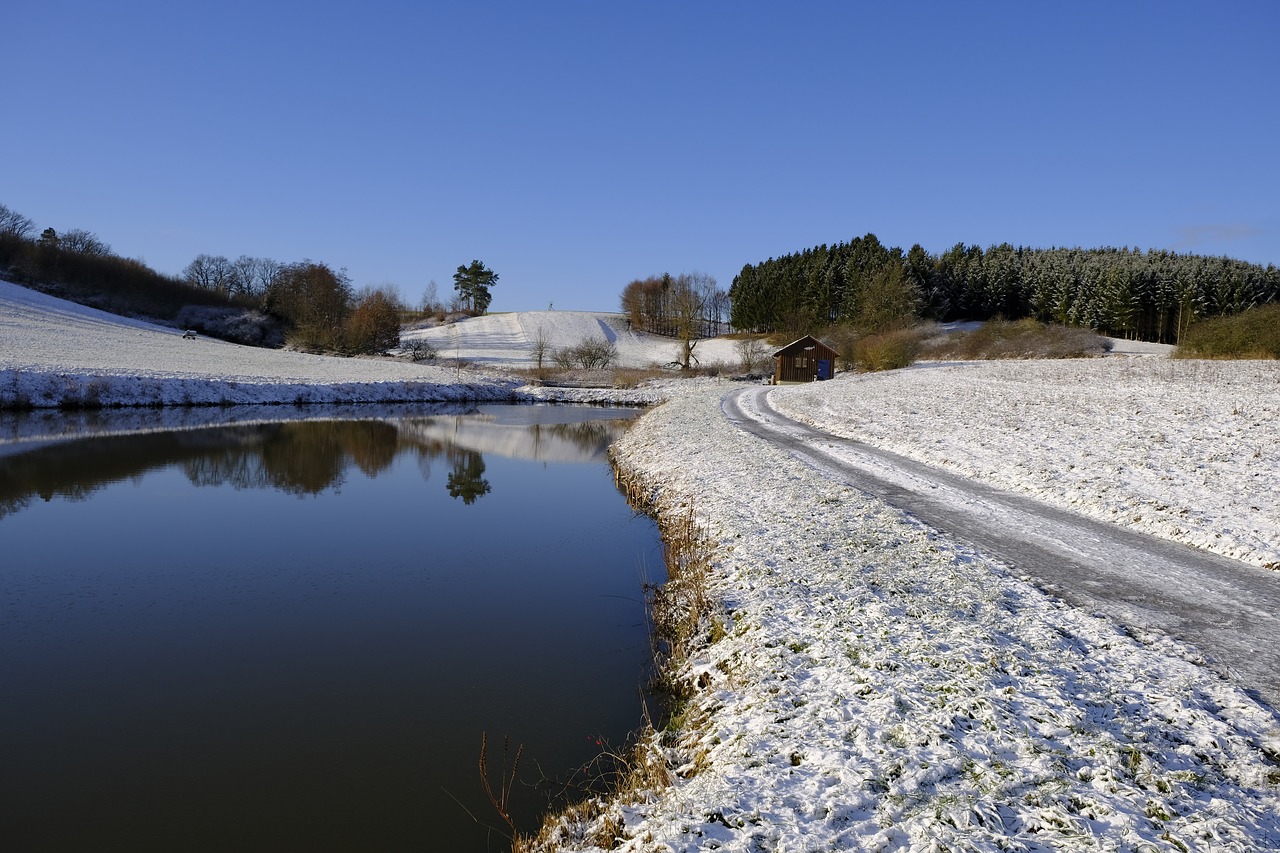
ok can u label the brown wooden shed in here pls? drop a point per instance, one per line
(805, 360)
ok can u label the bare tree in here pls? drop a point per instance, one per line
(539, 350)
(212, 272)
(373, 326)
(431, 303)
(82, 241)
(14, 224)
(687, 303)
(314, 299)
(252, 276)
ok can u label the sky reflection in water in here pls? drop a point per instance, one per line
(290, 635)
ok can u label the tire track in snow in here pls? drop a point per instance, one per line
(1227, 609)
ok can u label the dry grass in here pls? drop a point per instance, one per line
(680, 609)
(681, 623)
(634, 377)
(614, 775)
(1028, 338)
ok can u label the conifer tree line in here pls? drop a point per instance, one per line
(1143, 295)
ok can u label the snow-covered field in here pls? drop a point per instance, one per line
(507, 340)
(879, 687)
(53, 351)
(1186, 450)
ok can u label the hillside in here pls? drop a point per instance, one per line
(58, 353)
(507, 340)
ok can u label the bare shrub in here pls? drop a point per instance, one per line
(753, 353)
(419, 350)
(240, 325)
(589, 354)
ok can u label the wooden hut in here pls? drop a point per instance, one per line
(805, 360)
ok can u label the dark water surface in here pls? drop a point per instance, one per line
(291, 635)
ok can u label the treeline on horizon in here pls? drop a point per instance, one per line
(255, 301)
(83, 265)
(1142, 295)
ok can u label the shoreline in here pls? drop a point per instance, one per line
(877, 686)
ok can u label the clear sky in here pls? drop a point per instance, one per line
(573, 147)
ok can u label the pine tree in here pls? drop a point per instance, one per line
(473, 283)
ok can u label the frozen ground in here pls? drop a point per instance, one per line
(1186, 450)
(879, 687)
(57, 353)
(507, 340)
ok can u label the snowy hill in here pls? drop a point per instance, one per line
(507, 340)
(54, 352)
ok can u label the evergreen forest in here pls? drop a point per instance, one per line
(1141, 295)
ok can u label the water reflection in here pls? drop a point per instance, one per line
(466, 480)
(309, 457)
(290, 635)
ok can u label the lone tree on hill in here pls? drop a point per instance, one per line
(473, 283)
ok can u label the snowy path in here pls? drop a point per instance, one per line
(880, 686)
(1224, 607)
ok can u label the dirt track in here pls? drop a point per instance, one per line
(1228, 610)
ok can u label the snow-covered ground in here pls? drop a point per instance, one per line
(53, 351)
(1186, 450)
(507, 340)
(879, 687)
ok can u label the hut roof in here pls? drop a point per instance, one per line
(801, 344)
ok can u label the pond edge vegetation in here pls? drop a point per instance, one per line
(684, 618)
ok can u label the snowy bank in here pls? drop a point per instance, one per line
(881, 688)
(58, 354)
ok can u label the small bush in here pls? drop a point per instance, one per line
(886, 351)
(1250, 334)
(754, 353)
(589, 354)
(419, 349)
(242, 326)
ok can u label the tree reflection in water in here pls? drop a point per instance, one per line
(298, 457)
(467, 480)
(311, 655)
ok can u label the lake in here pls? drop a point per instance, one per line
(289, 632)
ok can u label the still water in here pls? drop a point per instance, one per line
(292, 635)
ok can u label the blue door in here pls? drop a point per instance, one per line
(824, 368)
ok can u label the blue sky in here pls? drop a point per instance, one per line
(573, 147)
